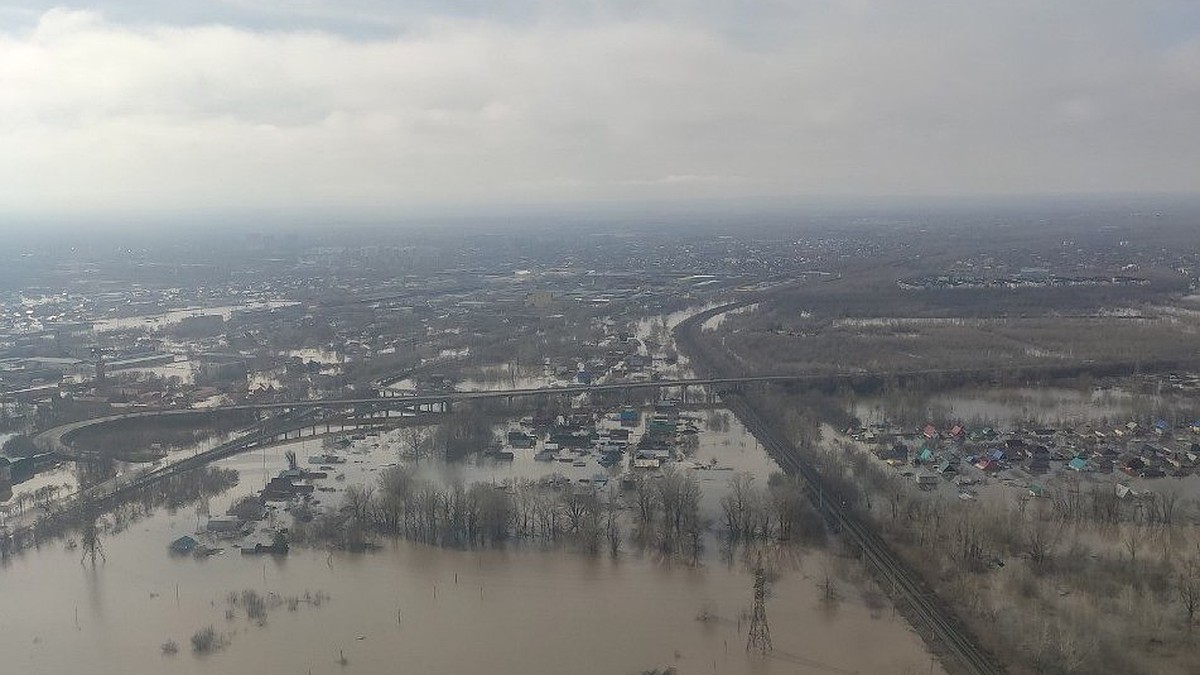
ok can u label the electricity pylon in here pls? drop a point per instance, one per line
(760, 630)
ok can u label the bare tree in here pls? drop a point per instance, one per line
(415, 442)
(1132, 542)
(679, 495)
(1166, 506)
(358, 501)
(734, 506)
(578, 506)
(612, 528)
(1040, 539)
(1188, 588)
(646, 499)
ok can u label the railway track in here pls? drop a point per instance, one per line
(904, 582)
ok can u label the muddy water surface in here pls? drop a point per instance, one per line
(401, 610)
(414, 609)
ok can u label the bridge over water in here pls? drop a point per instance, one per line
(382, 403)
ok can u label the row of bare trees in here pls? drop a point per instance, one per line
(780, 511)
(667, 514)
(661, 511)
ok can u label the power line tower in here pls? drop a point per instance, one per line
(90, 534)
(760, 630)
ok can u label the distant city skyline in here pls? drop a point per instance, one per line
(111, 110)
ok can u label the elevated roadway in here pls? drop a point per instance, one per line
(57, 438)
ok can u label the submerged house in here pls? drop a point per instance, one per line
(266, 541)
(225, 524)
(183, 545)
(518, 439)
(281, 489)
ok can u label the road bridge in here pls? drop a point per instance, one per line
(439, 402)
(824, 380)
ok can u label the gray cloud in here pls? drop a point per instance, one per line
(591, 101)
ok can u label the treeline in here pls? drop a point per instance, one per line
(666, 513)
(881, 297)
(1019, 350)
(779, 512)
(1080, 580)
(658, 512)
(816, 328)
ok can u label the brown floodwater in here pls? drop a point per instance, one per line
(401, 610)
(416, 609)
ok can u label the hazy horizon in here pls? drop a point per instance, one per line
(711, 215)
(363, 111)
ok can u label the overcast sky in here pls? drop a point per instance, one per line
(142, 106)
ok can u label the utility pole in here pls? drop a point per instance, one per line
(760, 630)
